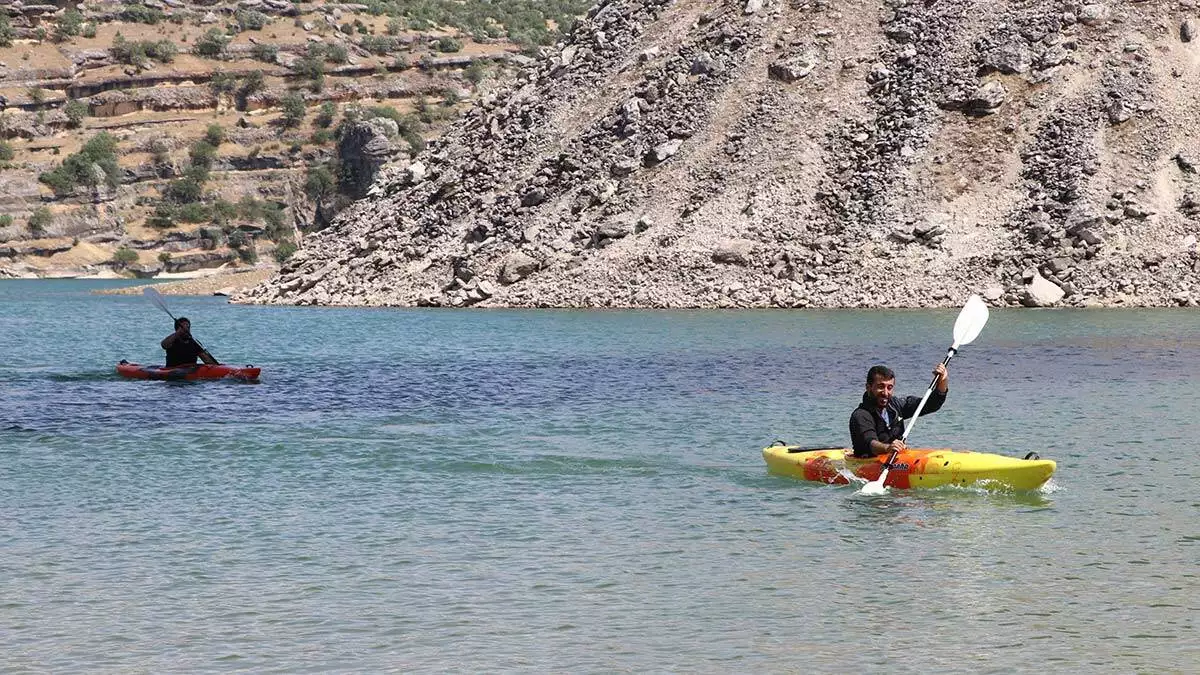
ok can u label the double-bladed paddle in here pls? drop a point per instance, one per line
(966, 328)
(158, 300)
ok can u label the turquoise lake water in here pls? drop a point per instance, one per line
(482, 491)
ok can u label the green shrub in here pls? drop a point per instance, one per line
(325, 115)
(448, 45)
(322, 137)
(223, 211)
(337, 54)
(277, 227)
(251, 82)
(214, 135)
(6, 220)
(222, 82)
(319, 182)
(379, 44)
(293, 109)
(212, 43)
(394, 26)
(6, 31)
(195, 212)
(311, 65)
(75, 111)
(136, 12)
(476, 72)
(164, 257)
(265, 52)
(88, 30)
(77, 169)
(6, 151)
(159, 152)
(69, 25)
(163, 217)
(238, 239)
(248, 254)
(39, 220)
(284, 250)
(124, 256)
(249, 208)
(202, 155)
(37, 95)
(185, 190)
(138, 53)
(248, 19)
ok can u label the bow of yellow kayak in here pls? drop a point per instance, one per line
(914, 468)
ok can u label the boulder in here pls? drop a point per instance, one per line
(793, 68)
(733, 252)
(1042, 292)
(516, 266)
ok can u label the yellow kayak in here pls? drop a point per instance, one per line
(914, 468)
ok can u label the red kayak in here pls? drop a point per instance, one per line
(198, 371)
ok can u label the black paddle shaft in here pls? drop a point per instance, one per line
(945, 362)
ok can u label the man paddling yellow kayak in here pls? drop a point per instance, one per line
(877, 424)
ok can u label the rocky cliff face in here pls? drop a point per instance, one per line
(819, 153)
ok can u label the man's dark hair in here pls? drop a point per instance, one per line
(180, 320)
(880, 372)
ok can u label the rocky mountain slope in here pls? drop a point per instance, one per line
(152, 137)
(802, 153)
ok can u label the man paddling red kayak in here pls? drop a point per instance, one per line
(182, 349)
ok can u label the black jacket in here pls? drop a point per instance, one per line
(183, 352)
(867, 425)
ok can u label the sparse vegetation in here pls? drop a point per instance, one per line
(39, 220)
(325, 115)
(124, 257)
(284, 250)
(476, 72)
(319, 183)
(212, 43)
(75, 111)
(293, 109)
(379, 44)
(37, 95)
(6, 31)
(136, 12)
(448, 45)
(202, 155)
(248, 19)
(6, 220)
(214, 135)
(336, 54)
(163, 217)
(69, 25)
(164, 257)
(195, 212)
(189, 188)
(6, 151)
(526, 22)
(93, 165)
(138, 53)
(265, 52)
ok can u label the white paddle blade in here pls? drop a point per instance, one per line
(970, 322)
(156, 298)
(875, 487)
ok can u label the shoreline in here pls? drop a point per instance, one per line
(223, 283)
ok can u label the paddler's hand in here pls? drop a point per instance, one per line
(943, 378)
(897, 446)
